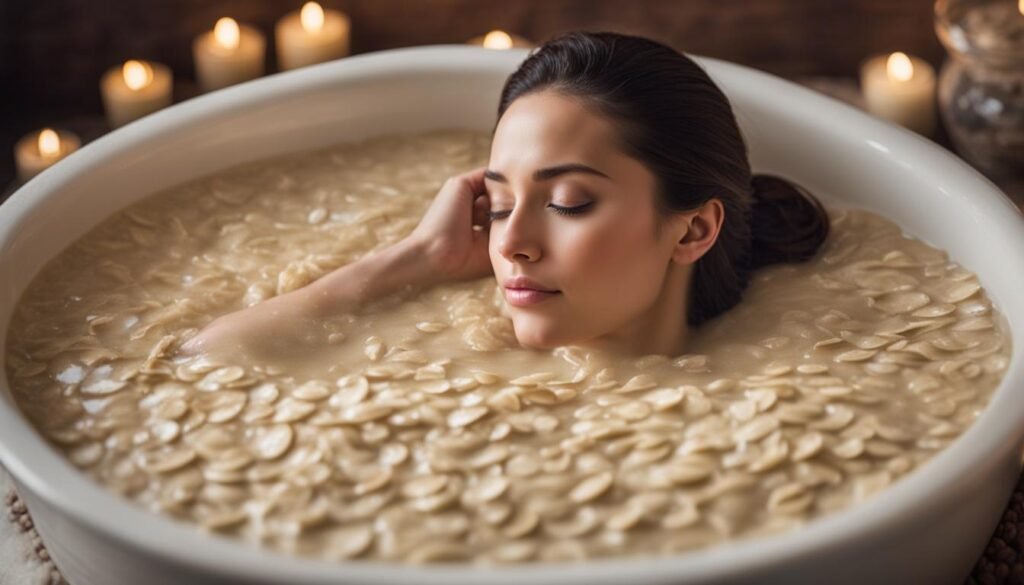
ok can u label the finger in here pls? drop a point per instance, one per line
(481, 211)
(474, 182)
(460, 189)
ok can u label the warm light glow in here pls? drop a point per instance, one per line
(497, 39)
(226, 33)
(312, 17)
(49, 143)
(1020, 6)
(899, 67)
(137, 74)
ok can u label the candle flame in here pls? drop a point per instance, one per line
(226, 33)
(137, 74)
(497, 39)
(899, 67)
(312, 17)
(49, 143)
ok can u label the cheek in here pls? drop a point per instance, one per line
(614, 261)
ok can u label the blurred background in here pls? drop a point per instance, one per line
(53, 52)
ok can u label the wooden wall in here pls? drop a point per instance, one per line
(52, 52)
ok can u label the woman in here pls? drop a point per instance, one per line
(617, 211)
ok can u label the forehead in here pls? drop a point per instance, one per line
(549, 128)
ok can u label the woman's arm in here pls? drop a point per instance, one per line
(373, 276)
(449, 244)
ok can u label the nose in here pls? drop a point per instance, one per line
(519, 240)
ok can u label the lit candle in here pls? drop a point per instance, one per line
(499, 39)
(37, 151)
(311, 35)
(135, 89)
(901, 89)
(229, 54)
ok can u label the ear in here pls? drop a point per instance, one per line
(700, 229)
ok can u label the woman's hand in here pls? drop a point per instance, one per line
(453, 233)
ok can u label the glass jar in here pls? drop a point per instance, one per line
(981, 84)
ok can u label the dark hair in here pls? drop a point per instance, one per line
(679, 124)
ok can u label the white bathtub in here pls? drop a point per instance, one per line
(928, 528)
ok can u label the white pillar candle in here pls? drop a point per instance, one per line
(135, 89)
(901, 89)
(499, 39)
(231, 53)
(311, 35)
(37, 151)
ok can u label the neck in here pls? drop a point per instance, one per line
(662, 328)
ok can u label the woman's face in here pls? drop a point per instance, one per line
(576, 215)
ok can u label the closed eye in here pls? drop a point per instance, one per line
(496, 215)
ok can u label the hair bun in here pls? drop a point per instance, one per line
(787, 223)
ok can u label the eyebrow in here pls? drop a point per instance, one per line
(550, 172)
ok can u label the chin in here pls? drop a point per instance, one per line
(538, 335)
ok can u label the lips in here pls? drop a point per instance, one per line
(521, 291)
(522, 297)
(526, 283)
